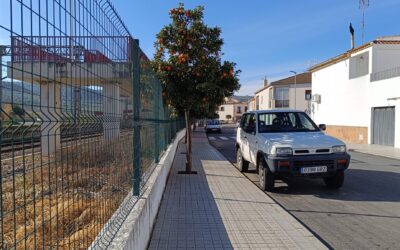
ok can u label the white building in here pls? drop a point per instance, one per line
(357, 94)
(251, 104)
(292, 92)
(233, 108)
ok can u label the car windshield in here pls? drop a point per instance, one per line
(285, 122)
(213, 122)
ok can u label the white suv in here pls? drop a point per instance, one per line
(287, 143)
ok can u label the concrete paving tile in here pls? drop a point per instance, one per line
(219, 208)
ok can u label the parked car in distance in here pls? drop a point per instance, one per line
(213, 125)
(288, 144)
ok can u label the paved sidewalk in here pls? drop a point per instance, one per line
(221, 209)
(373, 149)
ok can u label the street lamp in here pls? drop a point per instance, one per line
(295, 88)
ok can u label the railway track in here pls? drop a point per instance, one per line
(19, 144)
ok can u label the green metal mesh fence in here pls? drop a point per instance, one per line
(82, 123)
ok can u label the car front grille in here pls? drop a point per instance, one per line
(312, 151)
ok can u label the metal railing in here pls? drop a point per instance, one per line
(83, 124)
(385, 74)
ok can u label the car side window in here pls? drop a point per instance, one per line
(243, 121)
(250, 123)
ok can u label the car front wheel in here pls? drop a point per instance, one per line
(267, 178)
(242, 163)
(336, 181)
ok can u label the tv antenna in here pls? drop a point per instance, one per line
(363, 4)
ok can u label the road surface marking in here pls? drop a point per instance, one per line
(212, 138)
(233, 137)
(223, 138)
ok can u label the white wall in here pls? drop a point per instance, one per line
(251, 105)
(264, 99)
(231, 109)
(242, 108)
(301, 103)
(228, 110)
(346, 102)
(343, 101)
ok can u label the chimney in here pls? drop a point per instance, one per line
(265, 82)
(351, 35)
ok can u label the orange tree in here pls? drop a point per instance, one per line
(188, 62)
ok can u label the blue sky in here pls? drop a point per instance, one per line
(266, 37)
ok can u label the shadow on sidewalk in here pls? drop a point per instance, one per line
(188, 215)
(383, 186)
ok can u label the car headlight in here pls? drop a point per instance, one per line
(339, 149)
(283, 151)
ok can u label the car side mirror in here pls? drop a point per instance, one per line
(322, 127)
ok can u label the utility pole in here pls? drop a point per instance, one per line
(295, 88)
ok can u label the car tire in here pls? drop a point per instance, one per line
(267, 178)
(243, 165)
(336, 181)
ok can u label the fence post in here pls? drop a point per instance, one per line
(136, 118)
(157, 120)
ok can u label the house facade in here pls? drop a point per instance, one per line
(357, 94)
(289, 93)
(233, 108)
(251, 104)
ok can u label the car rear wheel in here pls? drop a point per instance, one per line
(242, 163)
(336, 181)
(267, 178)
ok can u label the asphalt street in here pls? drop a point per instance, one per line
(363, 214)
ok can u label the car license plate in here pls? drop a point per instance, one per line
(311, 170)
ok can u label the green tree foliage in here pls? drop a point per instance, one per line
(188, 62)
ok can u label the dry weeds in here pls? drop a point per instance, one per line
(64, 201)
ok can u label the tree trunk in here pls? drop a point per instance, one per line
(189, 143)
(186, 137)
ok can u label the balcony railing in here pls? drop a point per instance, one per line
(385, 74)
